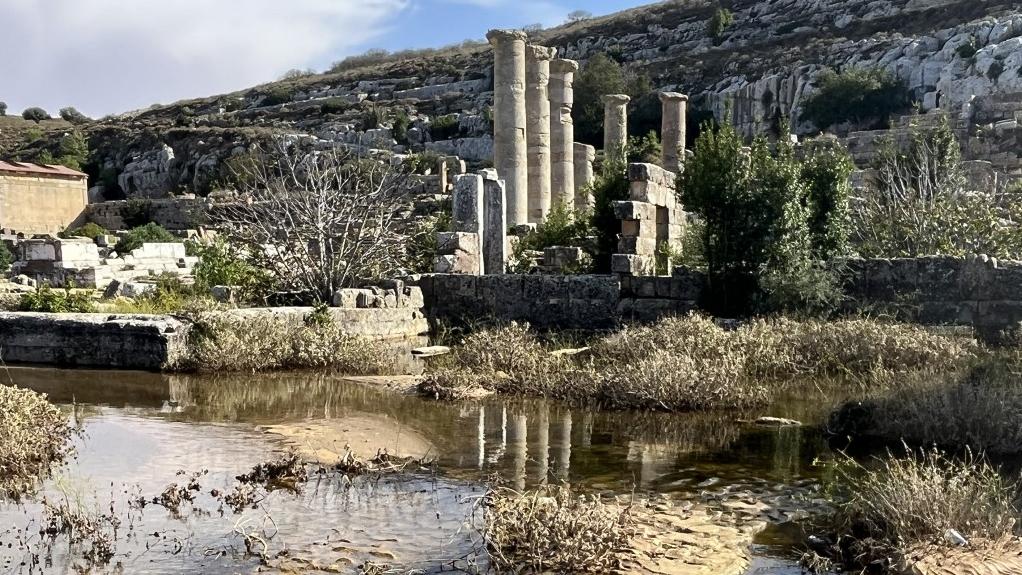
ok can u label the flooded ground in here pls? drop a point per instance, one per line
(140, 430)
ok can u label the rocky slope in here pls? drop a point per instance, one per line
(764, 64)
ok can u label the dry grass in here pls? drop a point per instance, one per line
(690, 363)
(554, 530)
(979, 408)
(34, 436)
(222, 343)
(921, 505)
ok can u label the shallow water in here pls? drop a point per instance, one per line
(140, 429)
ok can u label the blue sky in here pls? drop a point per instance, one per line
(110, 56)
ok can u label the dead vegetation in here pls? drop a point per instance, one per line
(921, 499)
(223, 343)
(554, 530)
(689, 363)
(34, 437)
(977, 407)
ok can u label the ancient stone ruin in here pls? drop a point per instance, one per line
(538, 166)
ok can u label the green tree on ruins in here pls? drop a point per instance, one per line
(602, 75)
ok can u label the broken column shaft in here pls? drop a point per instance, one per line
(675, 106)
(537, 100)
(615, 126)
(562, 132)
(585, 155)
(510, 148)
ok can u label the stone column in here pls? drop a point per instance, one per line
(675, 106)
(494, 248)
(585, 155)
(615, 126)
(562, 132)
(510, 148)
(537, 101)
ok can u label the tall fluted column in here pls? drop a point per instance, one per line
(510, 149)
(675, 106)
(585, 155)
(537, 102)
(615, 125)
(562, 132)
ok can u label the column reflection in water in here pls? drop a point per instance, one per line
(564, 447)
(519, 445)
(543, 444)
(482, 436)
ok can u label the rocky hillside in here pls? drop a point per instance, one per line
(948, 52)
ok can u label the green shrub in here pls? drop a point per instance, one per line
(6, 257)
(445, 127)
(223, 264)
(3, 109)
(610, 185)
(826, 169)
(72, 115)
(35, 115)
(48, 300)
(758, 210)
(967, 50)
(995, 70)
(277, 95)
(856, 95)
(719, 23)
(89, 230)
(400, 126)
(138, 212)
(149, 233)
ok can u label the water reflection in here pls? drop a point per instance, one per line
(525, 442)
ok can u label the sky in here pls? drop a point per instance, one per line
(112, 56)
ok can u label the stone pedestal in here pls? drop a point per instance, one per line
(461, 251)
(495, 248)
(585, 155)
(537, 100)
(562, 132)
(510, 149)
(615, 126)
(675, 106)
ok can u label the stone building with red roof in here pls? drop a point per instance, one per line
(40, 199)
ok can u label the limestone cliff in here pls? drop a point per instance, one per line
(950, 53)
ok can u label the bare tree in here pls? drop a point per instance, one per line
(317, 221)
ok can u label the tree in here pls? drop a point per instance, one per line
(318, 221)
(74, 150)
(579, 16)
(3, 109)
(601, 76)
(827, 169)
(70, 114)
(855, 95)
(35, 115)
(757, 210)
(719, 23)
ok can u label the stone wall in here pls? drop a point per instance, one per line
(560, 301)
(979, 291)
(171, 213)
(92, 340)
(41, 205)
(155, 342)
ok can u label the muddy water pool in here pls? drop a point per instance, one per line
(139, 430)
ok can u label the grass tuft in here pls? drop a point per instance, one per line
(554, 531)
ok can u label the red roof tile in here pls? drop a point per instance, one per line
(38, 170)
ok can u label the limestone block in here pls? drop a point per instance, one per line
(346, 298)
(644, 286)
(415, 297)
(38, 250)
(77, 250)
(495, 247)
(641, 211)
(636, 245)
(460, 253)
(635, 265)
(467, 204)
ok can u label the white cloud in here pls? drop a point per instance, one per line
(106, 56)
